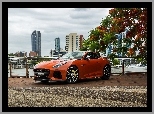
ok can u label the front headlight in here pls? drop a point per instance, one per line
(34, 66)
(59, 64)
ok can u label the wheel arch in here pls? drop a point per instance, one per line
(72, 65)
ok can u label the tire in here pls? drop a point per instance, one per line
(106, 72)
(72, 75)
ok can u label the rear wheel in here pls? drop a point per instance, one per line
(106, 72)
(72, 75)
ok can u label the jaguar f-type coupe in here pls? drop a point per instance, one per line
(73, 66)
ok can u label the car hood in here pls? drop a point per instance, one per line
(49, 64)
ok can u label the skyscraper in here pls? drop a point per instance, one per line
(57, 44)
(81, 41)
(36, 42)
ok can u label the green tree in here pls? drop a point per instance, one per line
(112, 56)
(11, 54)
(136, 20)
(115, 62)
(101, 37)
(33, 62)
(85, 45)
(116, 22)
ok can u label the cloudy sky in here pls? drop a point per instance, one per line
(52, 23)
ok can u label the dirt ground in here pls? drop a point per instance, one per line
(115, 80)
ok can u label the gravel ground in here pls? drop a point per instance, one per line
(115, 80)
(118, 91)
(107, 96)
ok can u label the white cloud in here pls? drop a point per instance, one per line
(52, 23)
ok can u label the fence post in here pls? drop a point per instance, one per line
(27, 74)
(123, 67)
(10, 70)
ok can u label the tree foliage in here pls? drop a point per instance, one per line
(11, 54)
(115, 62)
(101, 36)
(135, 19)
(33, 62)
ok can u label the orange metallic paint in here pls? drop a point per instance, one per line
(87, 68)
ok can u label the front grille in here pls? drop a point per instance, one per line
(57, 74)
(42, 73)
(41, 70)
(42, 77)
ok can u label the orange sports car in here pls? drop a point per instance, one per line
(73, 66)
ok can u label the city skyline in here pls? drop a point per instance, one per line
(52, 23)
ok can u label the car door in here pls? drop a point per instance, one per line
(89, 65)
(97, 64)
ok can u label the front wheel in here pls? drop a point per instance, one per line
(106, 72)
(72, 75)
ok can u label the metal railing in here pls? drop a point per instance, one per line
(120, 71)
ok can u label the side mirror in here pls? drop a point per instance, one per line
(88, 57)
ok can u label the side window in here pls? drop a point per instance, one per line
(95, 56)
(98, 54)
(90, 54)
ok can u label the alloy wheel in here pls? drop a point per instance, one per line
(72, 74)
(107, 72)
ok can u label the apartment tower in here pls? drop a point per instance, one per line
(57, 44)
(36, 42)
(73, 42)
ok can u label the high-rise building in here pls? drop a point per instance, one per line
(57, 44)
(81, 41)
(73, 42)
(36, 42)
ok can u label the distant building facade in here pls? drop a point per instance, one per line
(81, 41)
(21, 54)
(36, 42)
(57, 44)
(32, 54)
(73, 42)
(54, 53)
(120, 37)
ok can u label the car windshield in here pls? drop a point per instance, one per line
(73, 55)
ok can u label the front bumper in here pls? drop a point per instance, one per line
(52, 75)
(41, 79)
(47, 79)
